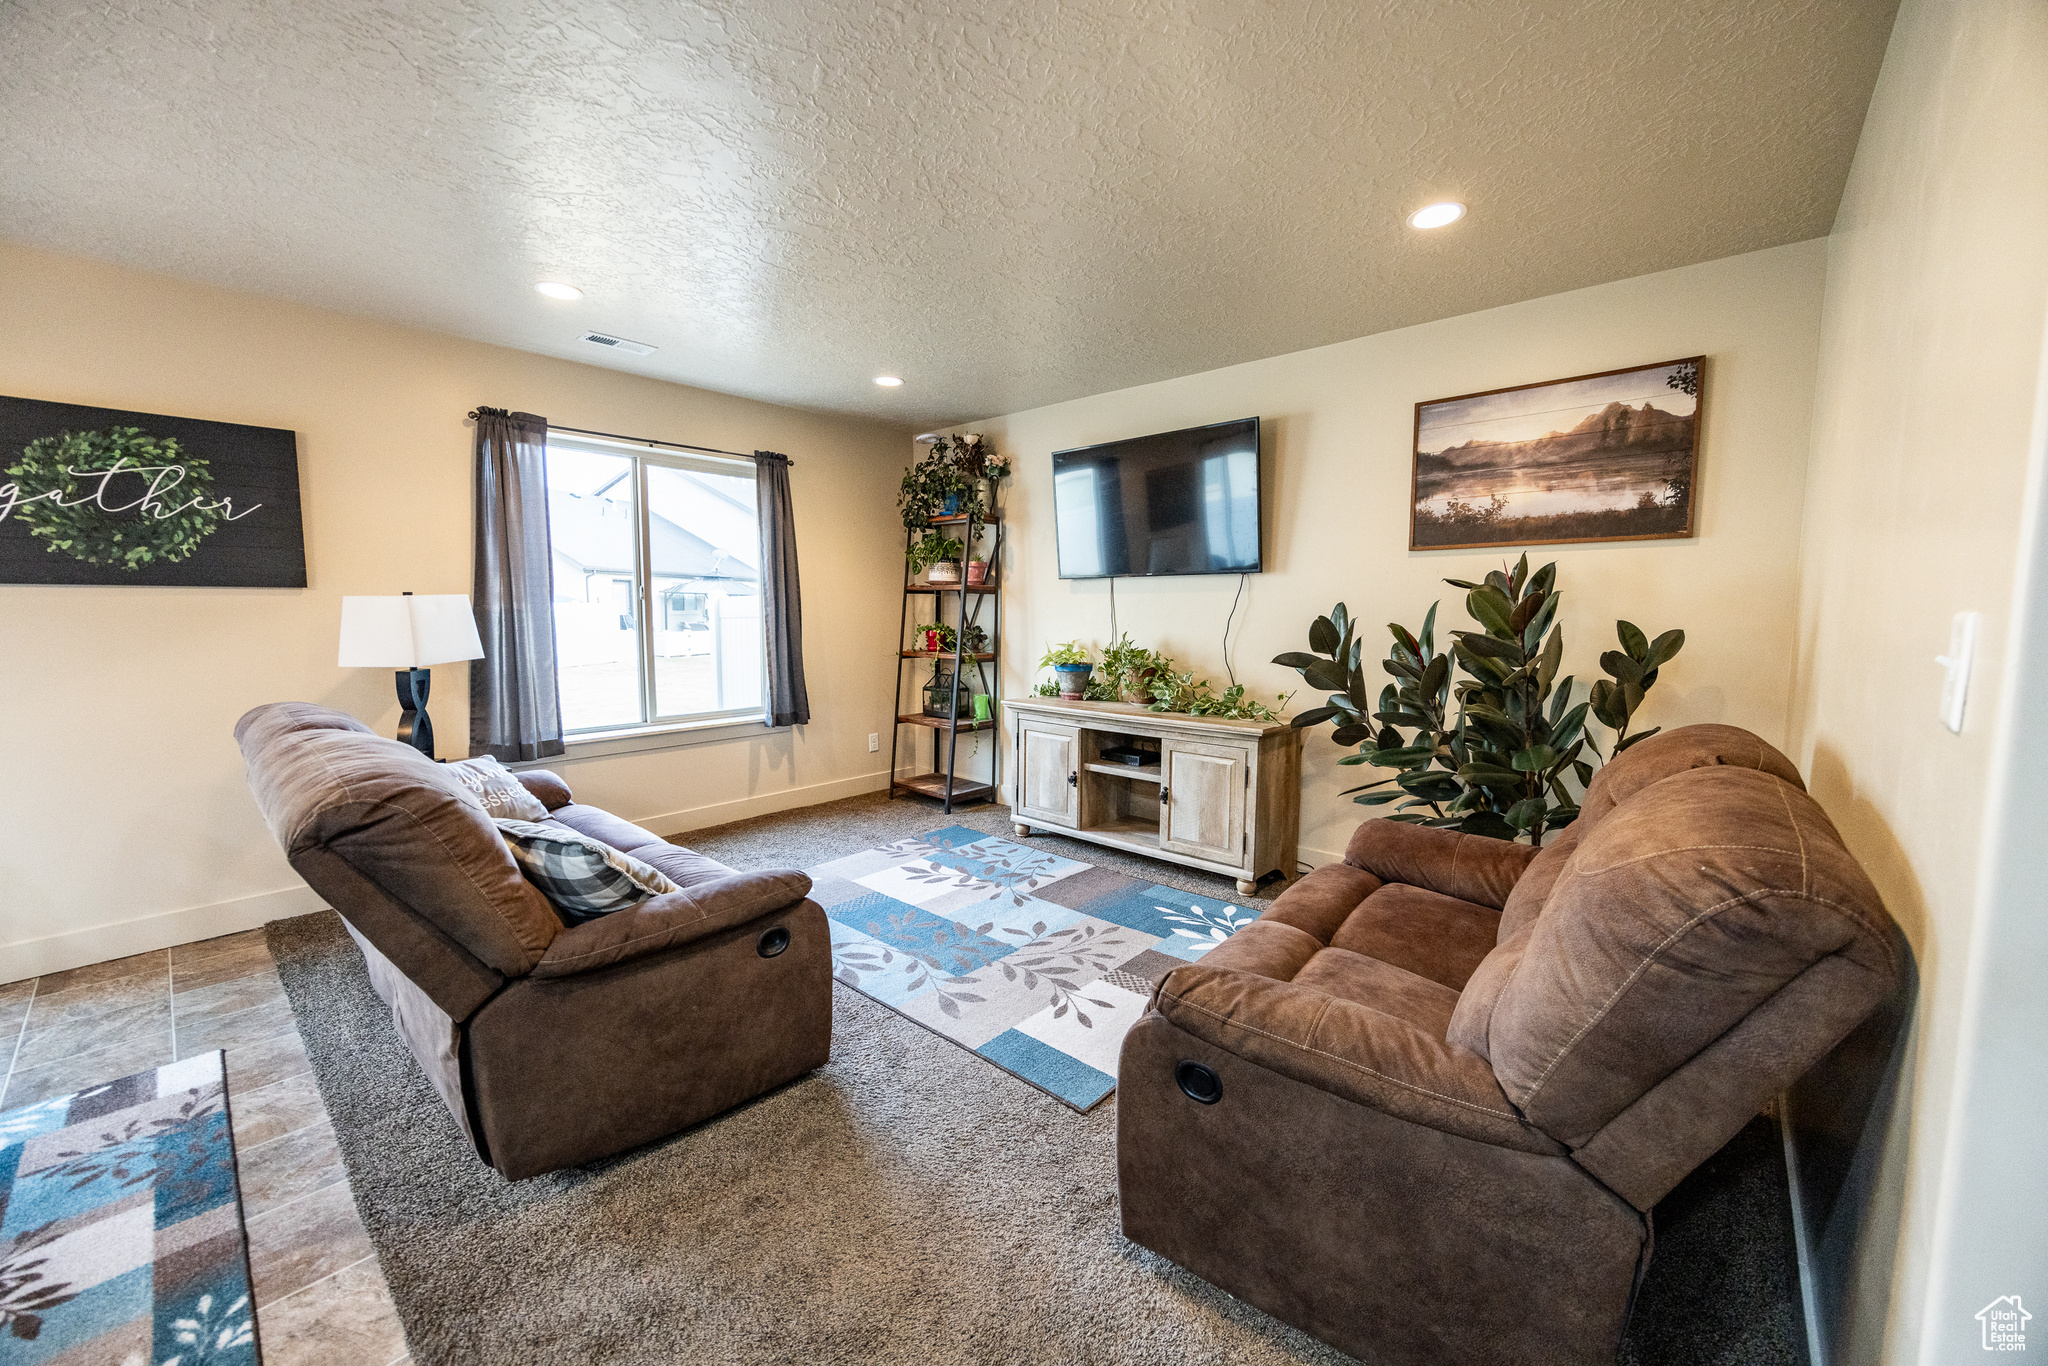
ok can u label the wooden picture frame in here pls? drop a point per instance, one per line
(1565, 460)
(108, 496)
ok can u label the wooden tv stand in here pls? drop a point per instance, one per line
(1220, 795)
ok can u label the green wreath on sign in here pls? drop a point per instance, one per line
(119, 497)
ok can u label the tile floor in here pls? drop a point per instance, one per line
(320, 1296)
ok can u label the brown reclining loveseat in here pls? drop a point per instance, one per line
(1422, 1107)
(552, 1046)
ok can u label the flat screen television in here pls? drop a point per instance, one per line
(1183, 502)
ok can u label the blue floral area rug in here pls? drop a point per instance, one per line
(1038, 963)
(121, 1234)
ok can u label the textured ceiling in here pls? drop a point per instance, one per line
(1008, 205)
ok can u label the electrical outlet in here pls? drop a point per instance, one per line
(874, 744)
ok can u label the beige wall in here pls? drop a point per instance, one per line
(1339, 435)
(1931, 348)
(129, 826)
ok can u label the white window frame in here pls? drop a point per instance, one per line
(684, 727)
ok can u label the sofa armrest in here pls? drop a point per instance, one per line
(670, 920)
(1350, 1050)
(1469, 867)
(552, 791)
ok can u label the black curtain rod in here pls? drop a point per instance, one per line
(648, 441)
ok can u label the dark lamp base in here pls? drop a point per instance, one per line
(414, 728)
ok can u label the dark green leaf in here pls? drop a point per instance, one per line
(1297, 659)
(1525, 612)
(1535, 759)
(1542, 579)
(1323, 636)
(1492, 647)
(1340, 619)
(1499, 582)
(1315, 716)
(1519, 577)
(1487, 776)
(1352, 734)
(1547, 662)
(1466, 584)
(1379, 798)
(1434, 676)
(1566, 731)
(1324, 675)
(1526, 812)
(1428, 637)
(1664, 648)
(1621, 667)
(1489, 608)
(1561, 816)
(1488, 824)
(1635, 738)
(1633, 640)
(1606, 704)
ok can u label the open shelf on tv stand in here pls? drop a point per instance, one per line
(1225, 796)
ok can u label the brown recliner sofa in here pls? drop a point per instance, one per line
(552, 1046)
(1422, 1107)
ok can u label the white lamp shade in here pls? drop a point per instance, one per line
(409, 632)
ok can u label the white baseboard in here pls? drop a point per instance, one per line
(99, 943)
(718, 813)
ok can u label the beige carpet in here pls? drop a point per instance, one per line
(908, 1203)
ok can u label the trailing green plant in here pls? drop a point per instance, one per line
(1066, 652)
(1505, 760)
(1185, 693)
(1129, 668)
(932, 548)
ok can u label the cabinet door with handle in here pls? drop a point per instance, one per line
(1048, 769)
(1202, 804)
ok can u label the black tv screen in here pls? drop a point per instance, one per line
(1183, 502)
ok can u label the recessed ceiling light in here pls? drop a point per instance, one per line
(888, 381)
(555, 290)
(1437, 215)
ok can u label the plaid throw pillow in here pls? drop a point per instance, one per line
(582, 878)
(497, 790)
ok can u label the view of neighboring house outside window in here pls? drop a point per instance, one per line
(657, 585)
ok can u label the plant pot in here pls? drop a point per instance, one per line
(945, 571)
(977, 571)
(1073, 679)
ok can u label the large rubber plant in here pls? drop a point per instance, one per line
(1485, 737)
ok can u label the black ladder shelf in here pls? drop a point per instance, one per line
(943, 783)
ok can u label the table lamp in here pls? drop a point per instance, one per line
(408, 633)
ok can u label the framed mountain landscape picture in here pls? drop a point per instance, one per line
(101, 495)
(1606, 457)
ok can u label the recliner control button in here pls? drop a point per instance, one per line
(773, 942)
(1199, 1082)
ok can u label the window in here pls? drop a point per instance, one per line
(657, 585)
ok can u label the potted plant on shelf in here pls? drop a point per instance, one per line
(933, 486)
(1070, 664)
(939, 554)
(977, 570)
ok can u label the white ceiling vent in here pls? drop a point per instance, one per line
(611, 343)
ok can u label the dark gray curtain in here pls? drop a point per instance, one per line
(515, 706)
(782, 608)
